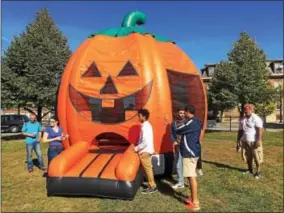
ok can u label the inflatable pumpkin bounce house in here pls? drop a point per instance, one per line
(109, 77)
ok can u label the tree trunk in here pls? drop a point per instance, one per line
(39, 112)
(19, 109)
(56, 101)
(221, 115)
(215, 113)
(264, 122)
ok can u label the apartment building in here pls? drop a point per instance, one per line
(276, 76)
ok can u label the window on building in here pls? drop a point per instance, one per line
(278, 68)
(211, 71)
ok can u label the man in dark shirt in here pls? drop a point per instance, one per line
(190, 150)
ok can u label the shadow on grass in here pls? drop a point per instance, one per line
(167, 190)
(221, 165)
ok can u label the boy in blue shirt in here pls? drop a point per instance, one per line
(32, 131)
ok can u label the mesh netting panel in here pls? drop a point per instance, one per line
(186, 89)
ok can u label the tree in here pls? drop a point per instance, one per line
(242, 79)
(221, 94)
(252, 85)
(32, 65)
(267, 106)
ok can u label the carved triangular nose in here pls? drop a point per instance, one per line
(109, 87)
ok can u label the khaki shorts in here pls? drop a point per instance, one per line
(189, 167)
(249, 152)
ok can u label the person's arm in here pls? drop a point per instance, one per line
(39, 132)
(259, 132)
(142, 142)
(239, 136)
(46, 140)
(172, 133)
(189, 126)
(24, 133)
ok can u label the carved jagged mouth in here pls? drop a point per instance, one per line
(118, 109)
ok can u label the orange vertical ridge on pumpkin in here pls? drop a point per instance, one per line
(174, 58)
(64, 91)
(159, 104)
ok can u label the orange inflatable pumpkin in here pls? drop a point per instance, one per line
(113, 74)
(117, 71)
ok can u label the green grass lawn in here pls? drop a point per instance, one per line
(222, 188)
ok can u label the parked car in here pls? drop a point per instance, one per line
(13, 123)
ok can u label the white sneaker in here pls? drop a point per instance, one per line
(256, 175)
(178, 186)
(199, 172)
(247, 172)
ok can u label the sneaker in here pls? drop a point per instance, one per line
(193, 207)
(256, 175)
(247, 172)
(30, 170)
(178, 186)
(199, 172)
(188, 200)
(149, 190)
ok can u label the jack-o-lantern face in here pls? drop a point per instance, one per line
(116, 72)
(110, 110)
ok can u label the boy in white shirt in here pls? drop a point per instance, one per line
(145, 149)
(250, 139)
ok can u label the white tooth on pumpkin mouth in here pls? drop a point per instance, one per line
(109, 111)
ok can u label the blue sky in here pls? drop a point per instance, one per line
(204, 30)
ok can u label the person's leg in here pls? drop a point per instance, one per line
(199, 166)
(258, 159)
(51, 153)
(199, 163)
(250, 157)
(189, 166)
(193, 186)
(39, 155)
(179, 167)
(244, 151)
(247, 156)
(147, 165)
(30, 165)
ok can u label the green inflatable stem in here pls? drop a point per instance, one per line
(134, 18)
(128, 26)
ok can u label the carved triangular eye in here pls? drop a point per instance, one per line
(128, 70)
(92, 71)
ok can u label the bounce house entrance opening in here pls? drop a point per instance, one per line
(110, 140)
(186, 89)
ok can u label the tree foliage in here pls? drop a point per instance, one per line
(243, 78)
(221, 89)
(33, 63)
